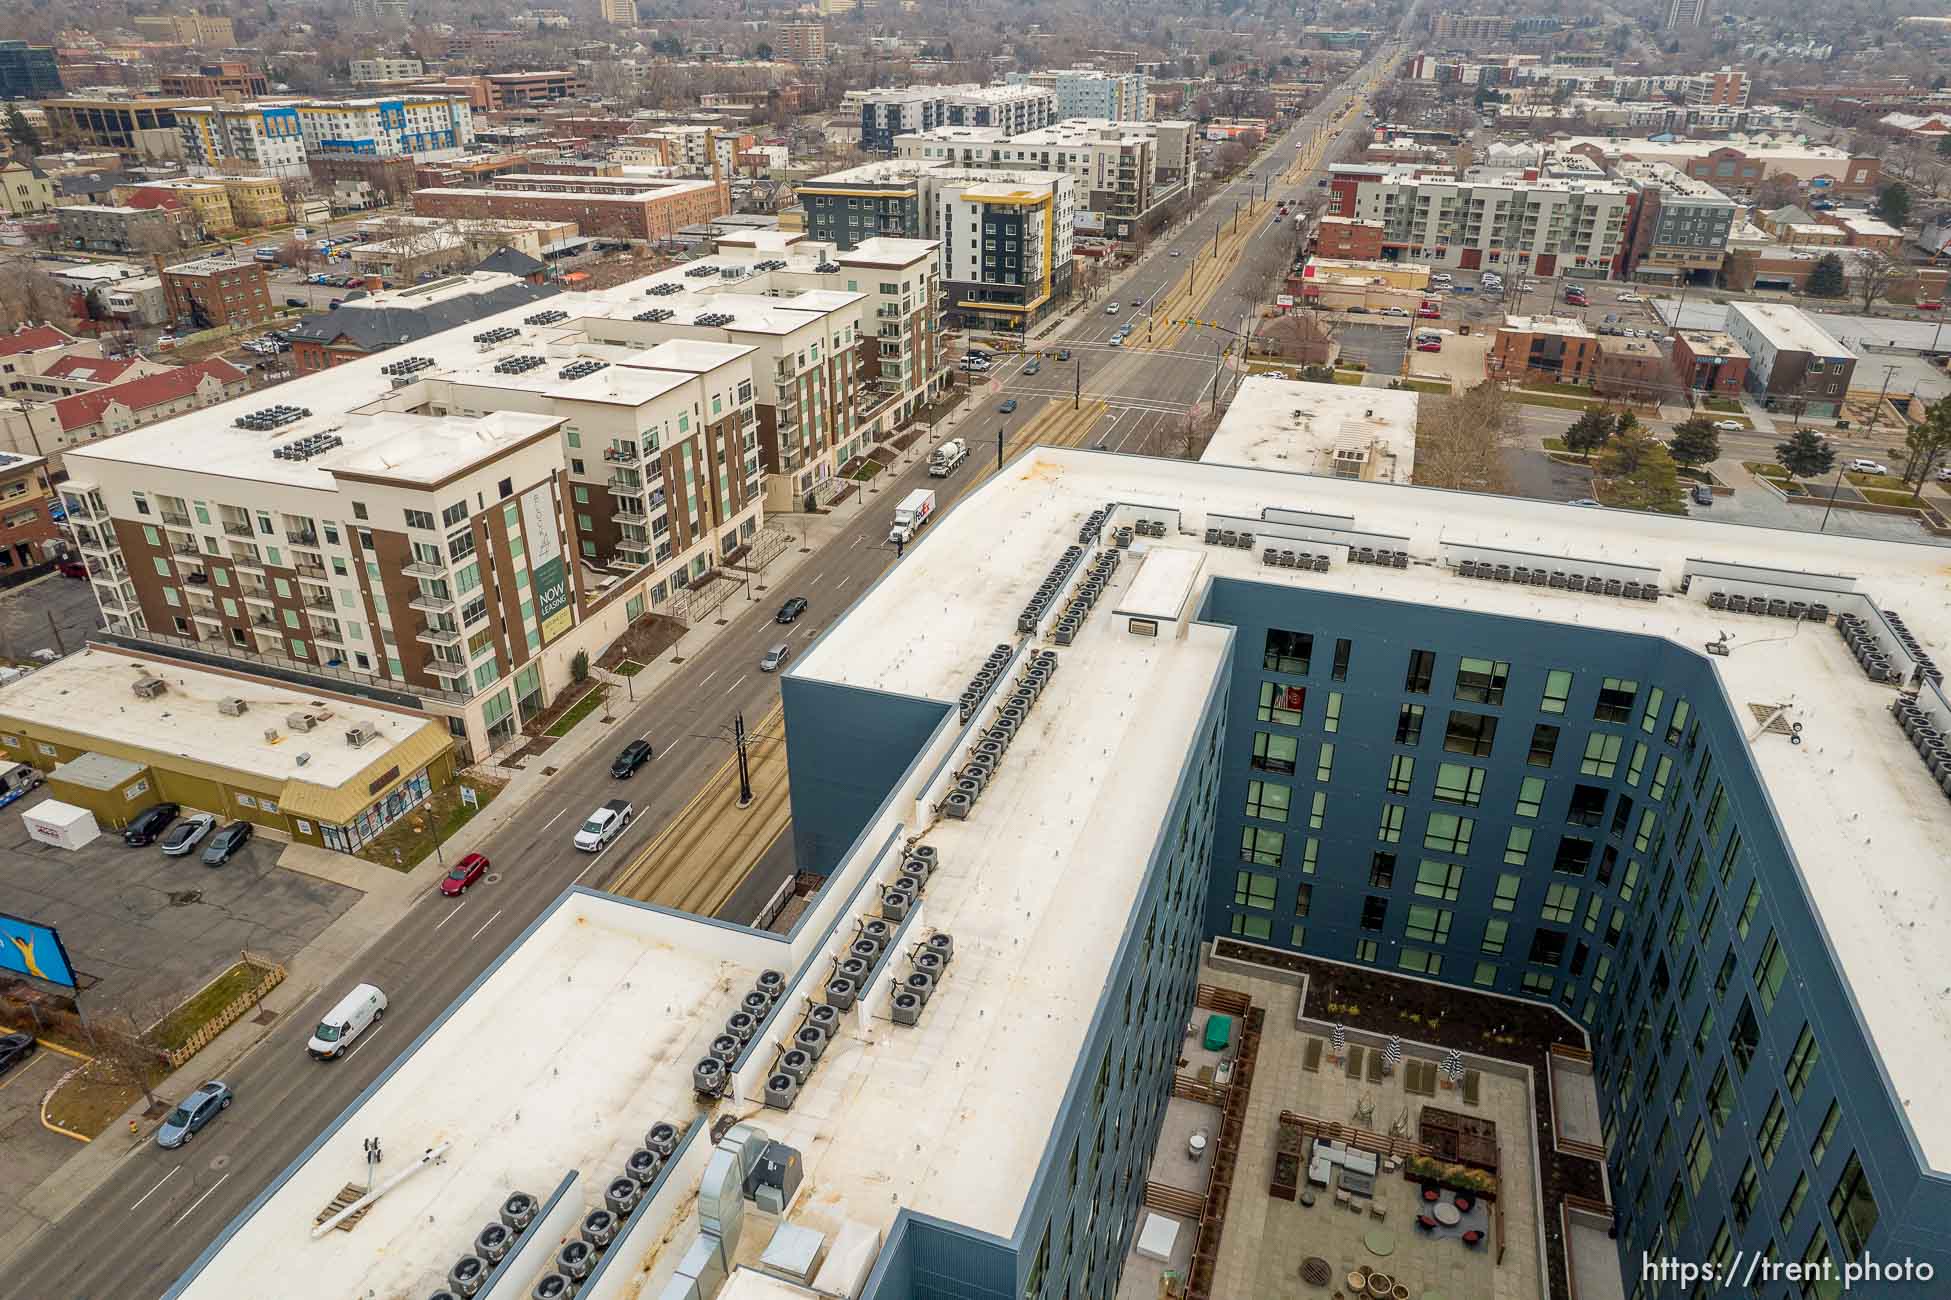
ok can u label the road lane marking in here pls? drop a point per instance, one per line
(365, 1038)
(201, 1199)
(158, 1187)
(552, 820)
(451, 915)
(485, 924)
(740, 682)
(707, 681)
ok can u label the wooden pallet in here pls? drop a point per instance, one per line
(347, 1195)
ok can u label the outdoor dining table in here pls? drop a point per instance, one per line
(1446, 1214)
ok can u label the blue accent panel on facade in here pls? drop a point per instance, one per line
(1574, 818)
(849, 747)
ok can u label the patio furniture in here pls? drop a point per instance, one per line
(1377, 1210)
(1426, 1222)
(1341, 1196)
(1431, 1195)
(1156, 1237)
(1447, 1215)
(1196, 1145)
(1473, 1238)
(1464, 1201)
(1380, 1242)
(1219, 1032)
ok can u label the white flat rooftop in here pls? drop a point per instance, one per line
(90, 692)
(1788, 329)
(691, 356)
(613, 385)
(1290, 425)
(960, 587)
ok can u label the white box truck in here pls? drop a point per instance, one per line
(947, 457)
(915, 510)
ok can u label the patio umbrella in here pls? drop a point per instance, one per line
(1392, 1054)
(1453, 1065)
(1339, 1042)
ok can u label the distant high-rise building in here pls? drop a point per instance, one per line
(800, 42)
(620, 13)
(187, 29)
(28, 71)
(1685, 13)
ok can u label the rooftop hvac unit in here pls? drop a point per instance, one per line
(662, 1139)
(755, 1004)
(905, 1008)
(467, 1275)
(797, 1064)
(811, 1039)
(920, 983)
(708, 1077)
(554, 1286)
(644, 1166)
(781, 1091)
(771, 983)
(301, 721)
(493, 1241)
(942, 944)
(725, 1048)
(148, 688)
(897, 903)
(622, 1194)
(361, 734)
(574, 1260)
(518, 1211)
(840, 993)
(741, 1025)
(270, 735)
(776, 1167)
(599, 1228)
(232, 706)
(824, 1018)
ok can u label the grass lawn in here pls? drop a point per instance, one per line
(1888, 482)
(1351, 377)
(629, 668)
(578, 711)
(407, 841)
(1726, 405)
(1429, 386)
(1889, 497)
(867, 470)
(177, 1027)
(94, 1097)
(1764, 469)
(1531, 398)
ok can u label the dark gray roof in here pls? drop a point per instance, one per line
(374, 329)
(511, 261)
(81, 185)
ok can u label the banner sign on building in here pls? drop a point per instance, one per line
(542, 535)
(32, 949)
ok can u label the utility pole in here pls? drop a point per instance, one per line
(1875, 412)
(1077, 387)
(999, 445)
(744, 761)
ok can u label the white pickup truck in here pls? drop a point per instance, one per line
(946, 457)
(915, 510)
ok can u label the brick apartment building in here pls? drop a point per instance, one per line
(1544, 350)
(1708, 361)
(217, 81)
(602, 207)
(1348, 239)
(28, 533)
(218, 291)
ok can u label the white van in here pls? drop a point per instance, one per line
(357, 1010)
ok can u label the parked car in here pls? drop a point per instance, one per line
(192, 1113)
(604, 825)
(1863, 465)
(147, 825)
(15, 1048)
(1930, 304)
(1063, 354)
(1702, 495)
(1631, 297)
(1428, 313)
(1175, 252)
(187, 834)
(1583, 501)
(296, 302)
(1429, 345)
(72, 569)
(463, 873)
(775, 658)
(1008, 406)
(224, 845)
(1729, 426)
(354, 1013)
(791, 610)
(1393, 311)
(1111, 309)
(1032, 366)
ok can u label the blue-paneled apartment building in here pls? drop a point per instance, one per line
(1296, 718)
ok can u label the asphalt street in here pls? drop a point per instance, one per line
(133, 1235)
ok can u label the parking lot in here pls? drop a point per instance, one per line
(52, 613)
(145, 931)
(1378, 348)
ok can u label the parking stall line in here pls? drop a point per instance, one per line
(485, 924)
(157, 1188)
(451, 915)
(206, 1196)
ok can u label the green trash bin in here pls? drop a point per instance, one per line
(1219, 1032)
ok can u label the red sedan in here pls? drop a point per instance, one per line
(462, 874)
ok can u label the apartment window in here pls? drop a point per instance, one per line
(1281, 704)
(1261, 846)
(1801, 1063)
(1744, 1036)
(1495, 935)
(1574, 855)
(1517, 847)
(1375, 913)
(1544, 745)
(1768, 1137)
(1402, 771)
(1272, 753)
(1390, 829)
(1482, 681)
(1381, 870)
(1588, 805)
(1616, 696)
(1470, 733)
(1558, 691)
(1427, 924)
(1442, 880)
(1287, 652)
(1267, 800)
(1530, 796)
(1699, 1158)
(1561, 903)
(1422, 667)
(1460, 783)
(1747, 1189)
(1331, 720)
(1825, 1133)
(1448, 833)
(1343, 648)
(1720, 1098)
(1748, 907)
(1252, 889)
(420, 519)
(1505, 897)
(1252, 927)
(1324, 765)
(1601, 755)
(1409, 724)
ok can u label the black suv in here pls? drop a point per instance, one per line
(149, 823)
(633, 756)
(791, 610)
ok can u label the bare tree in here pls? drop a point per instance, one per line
(1875, 276)
(1461, 440)
(126, 1053)
(27, 294)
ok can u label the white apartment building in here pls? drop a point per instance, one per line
(387, 69)
(262, 137)
(887, 113)
(1121, 171)
(453, 519)
(1546, 226)
(1092, 92)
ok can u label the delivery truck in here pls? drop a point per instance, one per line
(915, 510)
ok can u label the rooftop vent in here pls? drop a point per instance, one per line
(358, 736)
(312, 444)
(581, 369)
(232, 706)
(545, 318)
(148, 688)
(300, 721)
(664, 289)
(520, 365)
(408, 366)
(501, 335)
(271, 417)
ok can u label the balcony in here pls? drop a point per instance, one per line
(80, 509)
(446, 671)
(315, 572)
(445, 636)
(318, 602)
(626, 484)
(236, 529)
(427, 604)
(174, 519)
(257, 595)
(621, 456)
(304, 538)
(184, 548)
(629, 517)
(97, 543)
(266, 627)
(247, 564)
(423, 569)
(327, 633)
(206, 616)
(631, 546)
(113, 600)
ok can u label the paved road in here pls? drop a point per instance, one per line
(152, 1218)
